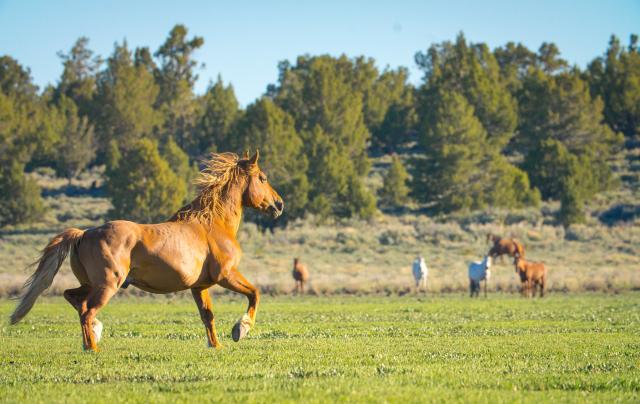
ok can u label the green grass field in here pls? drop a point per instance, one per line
(503, 349)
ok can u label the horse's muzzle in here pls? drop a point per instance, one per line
(276, 208)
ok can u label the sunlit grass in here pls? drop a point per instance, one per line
(569, 348)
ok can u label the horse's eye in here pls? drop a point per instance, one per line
(263, 178)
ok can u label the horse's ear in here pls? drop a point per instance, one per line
(254, 159)
(246, 155)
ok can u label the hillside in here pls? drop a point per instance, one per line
(355, 256)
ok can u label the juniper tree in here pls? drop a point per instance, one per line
(394, 191)
(143, 186)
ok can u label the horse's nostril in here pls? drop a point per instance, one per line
(279, 205)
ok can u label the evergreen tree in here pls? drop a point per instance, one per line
(394, 192)
(472, 71)
(616, 79)
(220, 112)
(143, 186)
(514, 60)
(326, 173)
(325, 97)
(126, 95)
(179, 163)
(176, 78)
(455, 142)
(508, 186)
(267, 127)
(560, 108)
(20, 200)
(571, 207)
(78, 80)
(389, 109)
(552, 167)
(77, 147)
(23, 124)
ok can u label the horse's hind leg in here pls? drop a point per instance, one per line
(203, 301)
(237, 283)
(98, 298)
(78, 297)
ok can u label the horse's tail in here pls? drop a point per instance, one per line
(48, 265)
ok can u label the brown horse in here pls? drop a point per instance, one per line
(195, 249)
(532, 274)
(300, 275)
(503, 246)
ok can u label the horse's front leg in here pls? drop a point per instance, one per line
(237, 283)
(203, 301)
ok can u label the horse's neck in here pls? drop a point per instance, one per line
(233, 210)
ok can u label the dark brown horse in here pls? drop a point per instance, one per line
(532, 275)
(502, 246)
(196, 249)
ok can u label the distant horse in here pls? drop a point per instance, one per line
(479, 271)
(503, 246)
(531, 274)
(300, 275)
(196, 249)
(420, 273)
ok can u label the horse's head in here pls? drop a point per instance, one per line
(258, 193)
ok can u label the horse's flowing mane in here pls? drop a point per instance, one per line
(220, 173)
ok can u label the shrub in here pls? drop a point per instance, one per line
(20, 200)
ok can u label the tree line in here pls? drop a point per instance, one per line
(504, 127)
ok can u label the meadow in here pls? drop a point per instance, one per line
(569, 348)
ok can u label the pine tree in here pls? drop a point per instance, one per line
(267, 127)
(571, 206)
(220, 112)
(77, 146)
(143, 186)
(78, 80)
(472, 71)
(20, 200)
(126, 94)
(325, 97)
(176, 78)
(559, 108)
(616, 79)
(394, 192)
(389, 109)
(448, 175)
(179, 163)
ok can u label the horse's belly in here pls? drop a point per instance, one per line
(168, 274)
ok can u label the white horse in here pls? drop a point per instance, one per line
(420, 272)
(479, 271)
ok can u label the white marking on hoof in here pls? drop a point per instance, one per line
(241, 328)
(97, 329)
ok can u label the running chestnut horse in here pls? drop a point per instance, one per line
(531, 274)
(196, 249)
(503, 246)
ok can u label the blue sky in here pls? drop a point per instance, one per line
(244, 40)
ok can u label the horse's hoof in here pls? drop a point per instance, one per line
(241, 328)
(97, 329)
